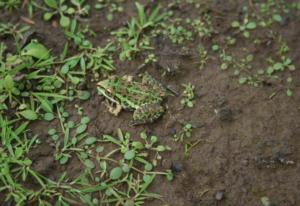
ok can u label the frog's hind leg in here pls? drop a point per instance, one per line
(147, 113)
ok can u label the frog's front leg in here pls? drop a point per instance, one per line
(114, 109)
(147, 113)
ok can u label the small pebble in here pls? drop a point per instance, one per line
(219, 195)
(176, 167)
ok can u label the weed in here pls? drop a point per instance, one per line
(16, 31)
(10, 4)
(132, 39)
(61, 8)
(111, 6)
(188, 95)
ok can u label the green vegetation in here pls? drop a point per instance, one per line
(39, 83)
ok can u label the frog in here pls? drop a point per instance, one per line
(143, 97)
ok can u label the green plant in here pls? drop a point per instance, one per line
(16, 88)
(10, 4)
(203, 56)
(64, 10)
(132, 38)
(178, 34)
(16, 31)
(69, 139)
(184, 133)
(111, 6)
(244, 27)
(126, 179)
(188, 95)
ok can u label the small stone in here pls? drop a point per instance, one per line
(220, 195)
(176, 167)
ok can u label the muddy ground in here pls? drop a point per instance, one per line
(251, 143)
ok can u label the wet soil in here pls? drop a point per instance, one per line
(251, 142)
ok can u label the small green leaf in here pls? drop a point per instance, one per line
(84, 95)
(29, 114)
(51, 3)
(89, 164)
(129, 155)
(36, 50)
(243, 80)
(289, 93)
(90, 140)
(64, 21)
(160, 148)
(8, 83)
(137, 145)
(277, 17)
(251, 25)
(51, 131)
(48, 116)
(85, 120)
(99, 149)
(116, 173)
(63, 160)
(70, 124)
(81, 128)
(147, 178)
(148, 167)
(47, 16)
(235, 24)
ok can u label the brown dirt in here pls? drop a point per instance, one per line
(248, 138)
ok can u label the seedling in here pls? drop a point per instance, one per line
(10, 4)
(69, 139)
(132, 39)
(16, 31)
(202, 56)
(61, 8)
(188, 95)
(244, 27)
(185, 133)
(110, 6)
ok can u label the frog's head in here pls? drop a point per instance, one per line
(105, 86)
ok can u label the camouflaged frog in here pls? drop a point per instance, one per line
(144, 98)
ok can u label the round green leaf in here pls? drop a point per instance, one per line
(48, 116)
(129, 155)
(115, 173)
(148, 167)
(147, 178)
(84, 95)
(251, 25)
(70, 124)
(47, 16)
(64, 21)
(277, 17)
(89, 164)
(243, 80)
